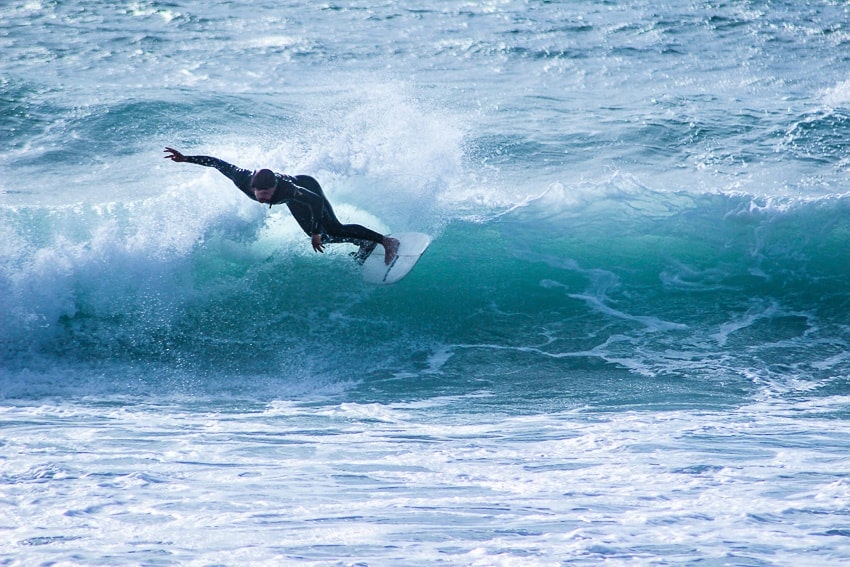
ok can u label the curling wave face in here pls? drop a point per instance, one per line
(675, 286)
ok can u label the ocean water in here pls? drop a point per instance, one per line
(629, 343)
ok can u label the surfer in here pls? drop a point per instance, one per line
(306, 201)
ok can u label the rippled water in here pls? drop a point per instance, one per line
(627, 344)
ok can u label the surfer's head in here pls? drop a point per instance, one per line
(263, 183)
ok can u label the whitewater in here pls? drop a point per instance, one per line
(628, 344)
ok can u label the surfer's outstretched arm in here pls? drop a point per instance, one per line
(240, 177)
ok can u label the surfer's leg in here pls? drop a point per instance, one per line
(335, 231)
(365, 250)
(351, 233)
(357, 234)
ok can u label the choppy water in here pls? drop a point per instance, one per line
(627, 344)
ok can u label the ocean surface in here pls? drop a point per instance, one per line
(628, 344)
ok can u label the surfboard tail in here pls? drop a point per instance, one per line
(411, 247)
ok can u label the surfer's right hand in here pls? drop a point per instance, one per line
(174, 155)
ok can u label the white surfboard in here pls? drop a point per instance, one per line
(410, 249)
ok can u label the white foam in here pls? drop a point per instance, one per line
(104, 254)
(837, 95)
(570, 485)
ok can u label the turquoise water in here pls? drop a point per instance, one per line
(627, 344)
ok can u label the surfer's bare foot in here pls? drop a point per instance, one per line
(390, 249)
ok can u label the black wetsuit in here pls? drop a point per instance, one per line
(306, 201)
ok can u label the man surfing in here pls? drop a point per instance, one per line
(306, 201)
